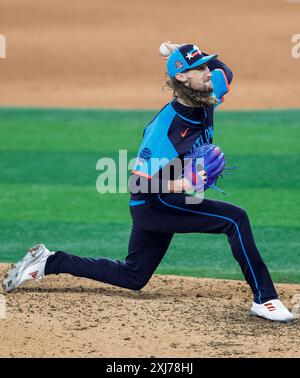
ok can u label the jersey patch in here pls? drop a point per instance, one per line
(145, 154)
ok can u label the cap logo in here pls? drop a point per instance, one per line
(192, 53)
(178, 64)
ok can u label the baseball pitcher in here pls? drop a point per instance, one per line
(199, 82)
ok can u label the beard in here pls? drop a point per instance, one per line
(207, 88)
(192, 97)
(199, 98)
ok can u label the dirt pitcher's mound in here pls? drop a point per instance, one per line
(171, 317)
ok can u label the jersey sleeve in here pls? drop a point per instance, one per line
(215, 63)
(221, 78)
(220, 84)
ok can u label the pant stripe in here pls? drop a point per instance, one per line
(237, 227)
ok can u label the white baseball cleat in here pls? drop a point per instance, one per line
(31, 267)
(272, 310)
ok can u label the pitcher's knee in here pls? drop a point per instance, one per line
(237, 214)
(137, 282)
(241, 213)
(138, 285)
(238, 217)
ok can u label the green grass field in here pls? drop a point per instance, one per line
(48, 194)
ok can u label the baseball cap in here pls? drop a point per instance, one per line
(186, 57)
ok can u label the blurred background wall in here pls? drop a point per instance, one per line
(96, 53)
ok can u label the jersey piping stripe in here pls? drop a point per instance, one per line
(189, 120)
(141, 174)
(136, 202)
(186, 119)
(237, 227)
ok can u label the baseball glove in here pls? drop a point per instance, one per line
(208, 157)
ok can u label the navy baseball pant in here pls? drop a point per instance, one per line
(155, 220)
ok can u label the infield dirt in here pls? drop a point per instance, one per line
(64, 316)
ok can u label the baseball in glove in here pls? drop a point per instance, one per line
(208, 157)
